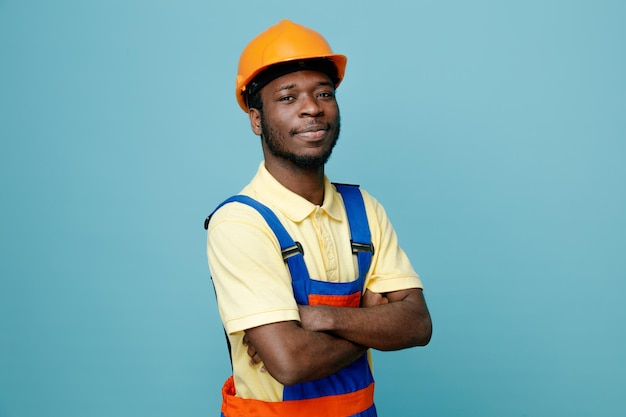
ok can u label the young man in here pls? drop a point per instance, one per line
(300, 335)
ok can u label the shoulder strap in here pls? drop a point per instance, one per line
(360, 236)
(292, 251)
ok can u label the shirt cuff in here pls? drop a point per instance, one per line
(255, 320)
(394, 284)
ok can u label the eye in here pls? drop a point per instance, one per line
(286, 98)
(326, 94)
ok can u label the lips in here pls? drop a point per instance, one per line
(312, 132)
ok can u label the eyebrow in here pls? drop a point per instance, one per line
(293, 85)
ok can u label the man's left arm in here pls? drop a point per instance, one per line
(390, 321)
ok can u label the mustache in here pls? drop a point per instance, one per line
(310, 127)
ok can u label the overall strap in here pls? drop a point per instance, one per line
(360, 236)
(292, 251)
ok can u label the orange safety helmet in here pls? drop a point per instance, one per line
(284, 42)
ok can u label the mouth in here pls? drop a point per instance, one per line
(315, 132)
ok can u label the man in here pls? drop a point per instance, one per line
(297, 346)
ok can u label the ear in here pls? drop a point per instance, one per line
(255, 121)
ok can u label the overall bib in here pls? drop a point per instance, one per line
(350, 391)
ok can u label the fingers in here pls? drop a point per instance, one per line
(254, 356)
(255, 359)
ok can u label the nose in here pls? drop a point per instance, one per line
(310, 107)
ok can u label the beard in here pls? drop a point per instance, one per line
(275, 144)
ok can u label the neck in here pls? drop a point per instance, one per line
(307, 183)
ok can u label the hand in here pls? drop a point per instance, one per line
(255, 359)
(320, 318)
(310, 317)
(371, 299)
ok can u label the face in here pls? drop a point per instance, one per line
(299, 123)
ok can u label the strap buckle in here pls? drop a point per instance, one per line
(206, 222)
(292, 251)
(362, 247)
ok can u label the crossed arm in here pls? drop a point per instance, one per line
(329, 338)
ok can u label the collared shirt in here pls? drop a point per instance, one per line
(252, 281)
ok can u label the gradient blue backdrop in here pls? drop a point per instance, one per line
(492, 131)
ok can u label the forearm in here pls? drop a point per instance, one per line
(401, 323)
(302, 355)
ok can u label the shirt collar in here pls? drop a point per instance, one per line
(295, 207)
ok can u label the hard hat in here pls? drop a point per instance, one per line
(281, 43)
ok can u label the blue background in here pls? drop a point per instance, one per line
(493, 132)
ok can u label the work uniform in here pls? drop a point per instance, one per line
(254, 285)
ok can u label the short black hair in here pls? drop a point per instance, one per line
(253, 89)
